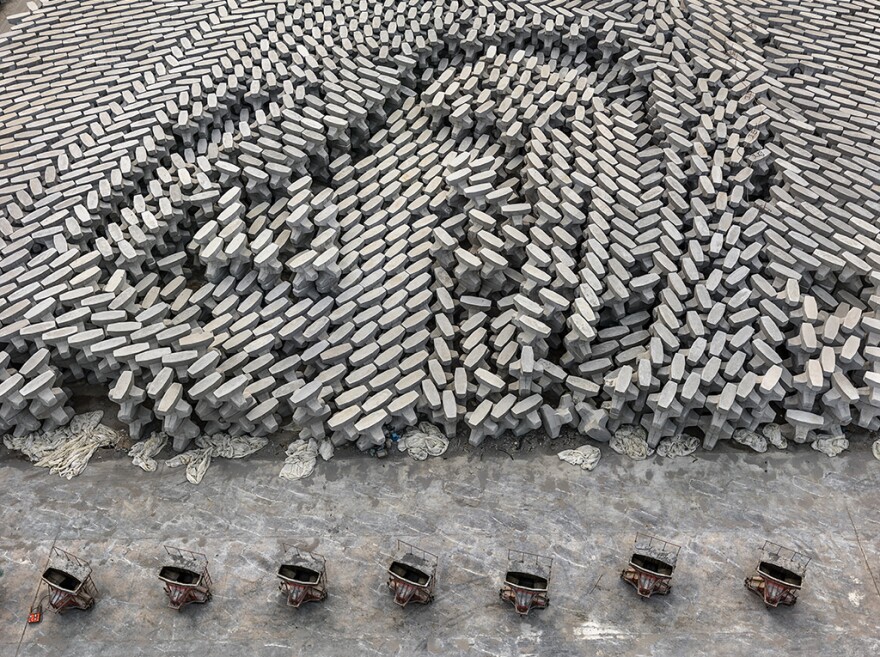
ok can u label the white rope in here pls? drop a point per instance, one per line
(677, 446)
(301, 459)
(586, 456)
(423, 441)
(36, 445)
(220, 445)
(632, 441)
(144, 453)
(66, 451)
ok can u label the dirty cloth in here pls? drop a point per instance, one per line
(586, 456)
(143, 454)
(632, 441)
(423, 441)
(196, 461)
(302, 455)
(326, 449)
(220, 445)
(680, 445)
(750, 439)
(66, 451)
(831, 445)
(773, 433)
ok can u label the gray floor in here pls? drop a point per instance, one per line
(467, 508)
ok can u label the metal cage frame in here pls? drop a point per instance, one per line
(523, 598)
(772, 590)
(648, 582)
(82, 597)
(297, 594)
(180, 595)
(406, 591)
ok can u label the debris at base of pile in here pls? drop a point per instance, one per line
(220, 445)
(750, 439)
(302, 455)
(423, 441)
(586, 456)
(631, 440)
(831, 445)
(773, 433)
(196, 461)
(231, 447)
(66, 451)
(676, 446)
(37, 444)
(875, 449)
(143, 454)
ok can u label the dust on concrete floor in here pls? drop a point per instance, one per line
(469, 509)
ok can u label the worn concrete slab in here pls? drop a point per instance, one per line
(468, 509)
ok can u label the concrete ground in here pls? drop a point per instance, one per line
(468, 509)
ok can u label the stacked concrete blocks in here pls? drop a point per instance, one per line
(352, 216)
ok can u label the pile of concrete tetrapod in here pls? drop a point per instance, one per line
(353, 216)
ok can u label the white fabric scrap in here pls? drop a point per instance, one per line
(301, 458)
(831, 445)
(66, 451)
(196, 462)
(586, 456)
(220, 445)
(773, 433)
(231, 447)
(37, 444)
(326, 450)
(143, 454)
(423, 441)
(679, 445)
(632, 441)
(750, 439)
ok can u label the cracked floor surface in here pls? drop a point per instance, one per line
(468, 508)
